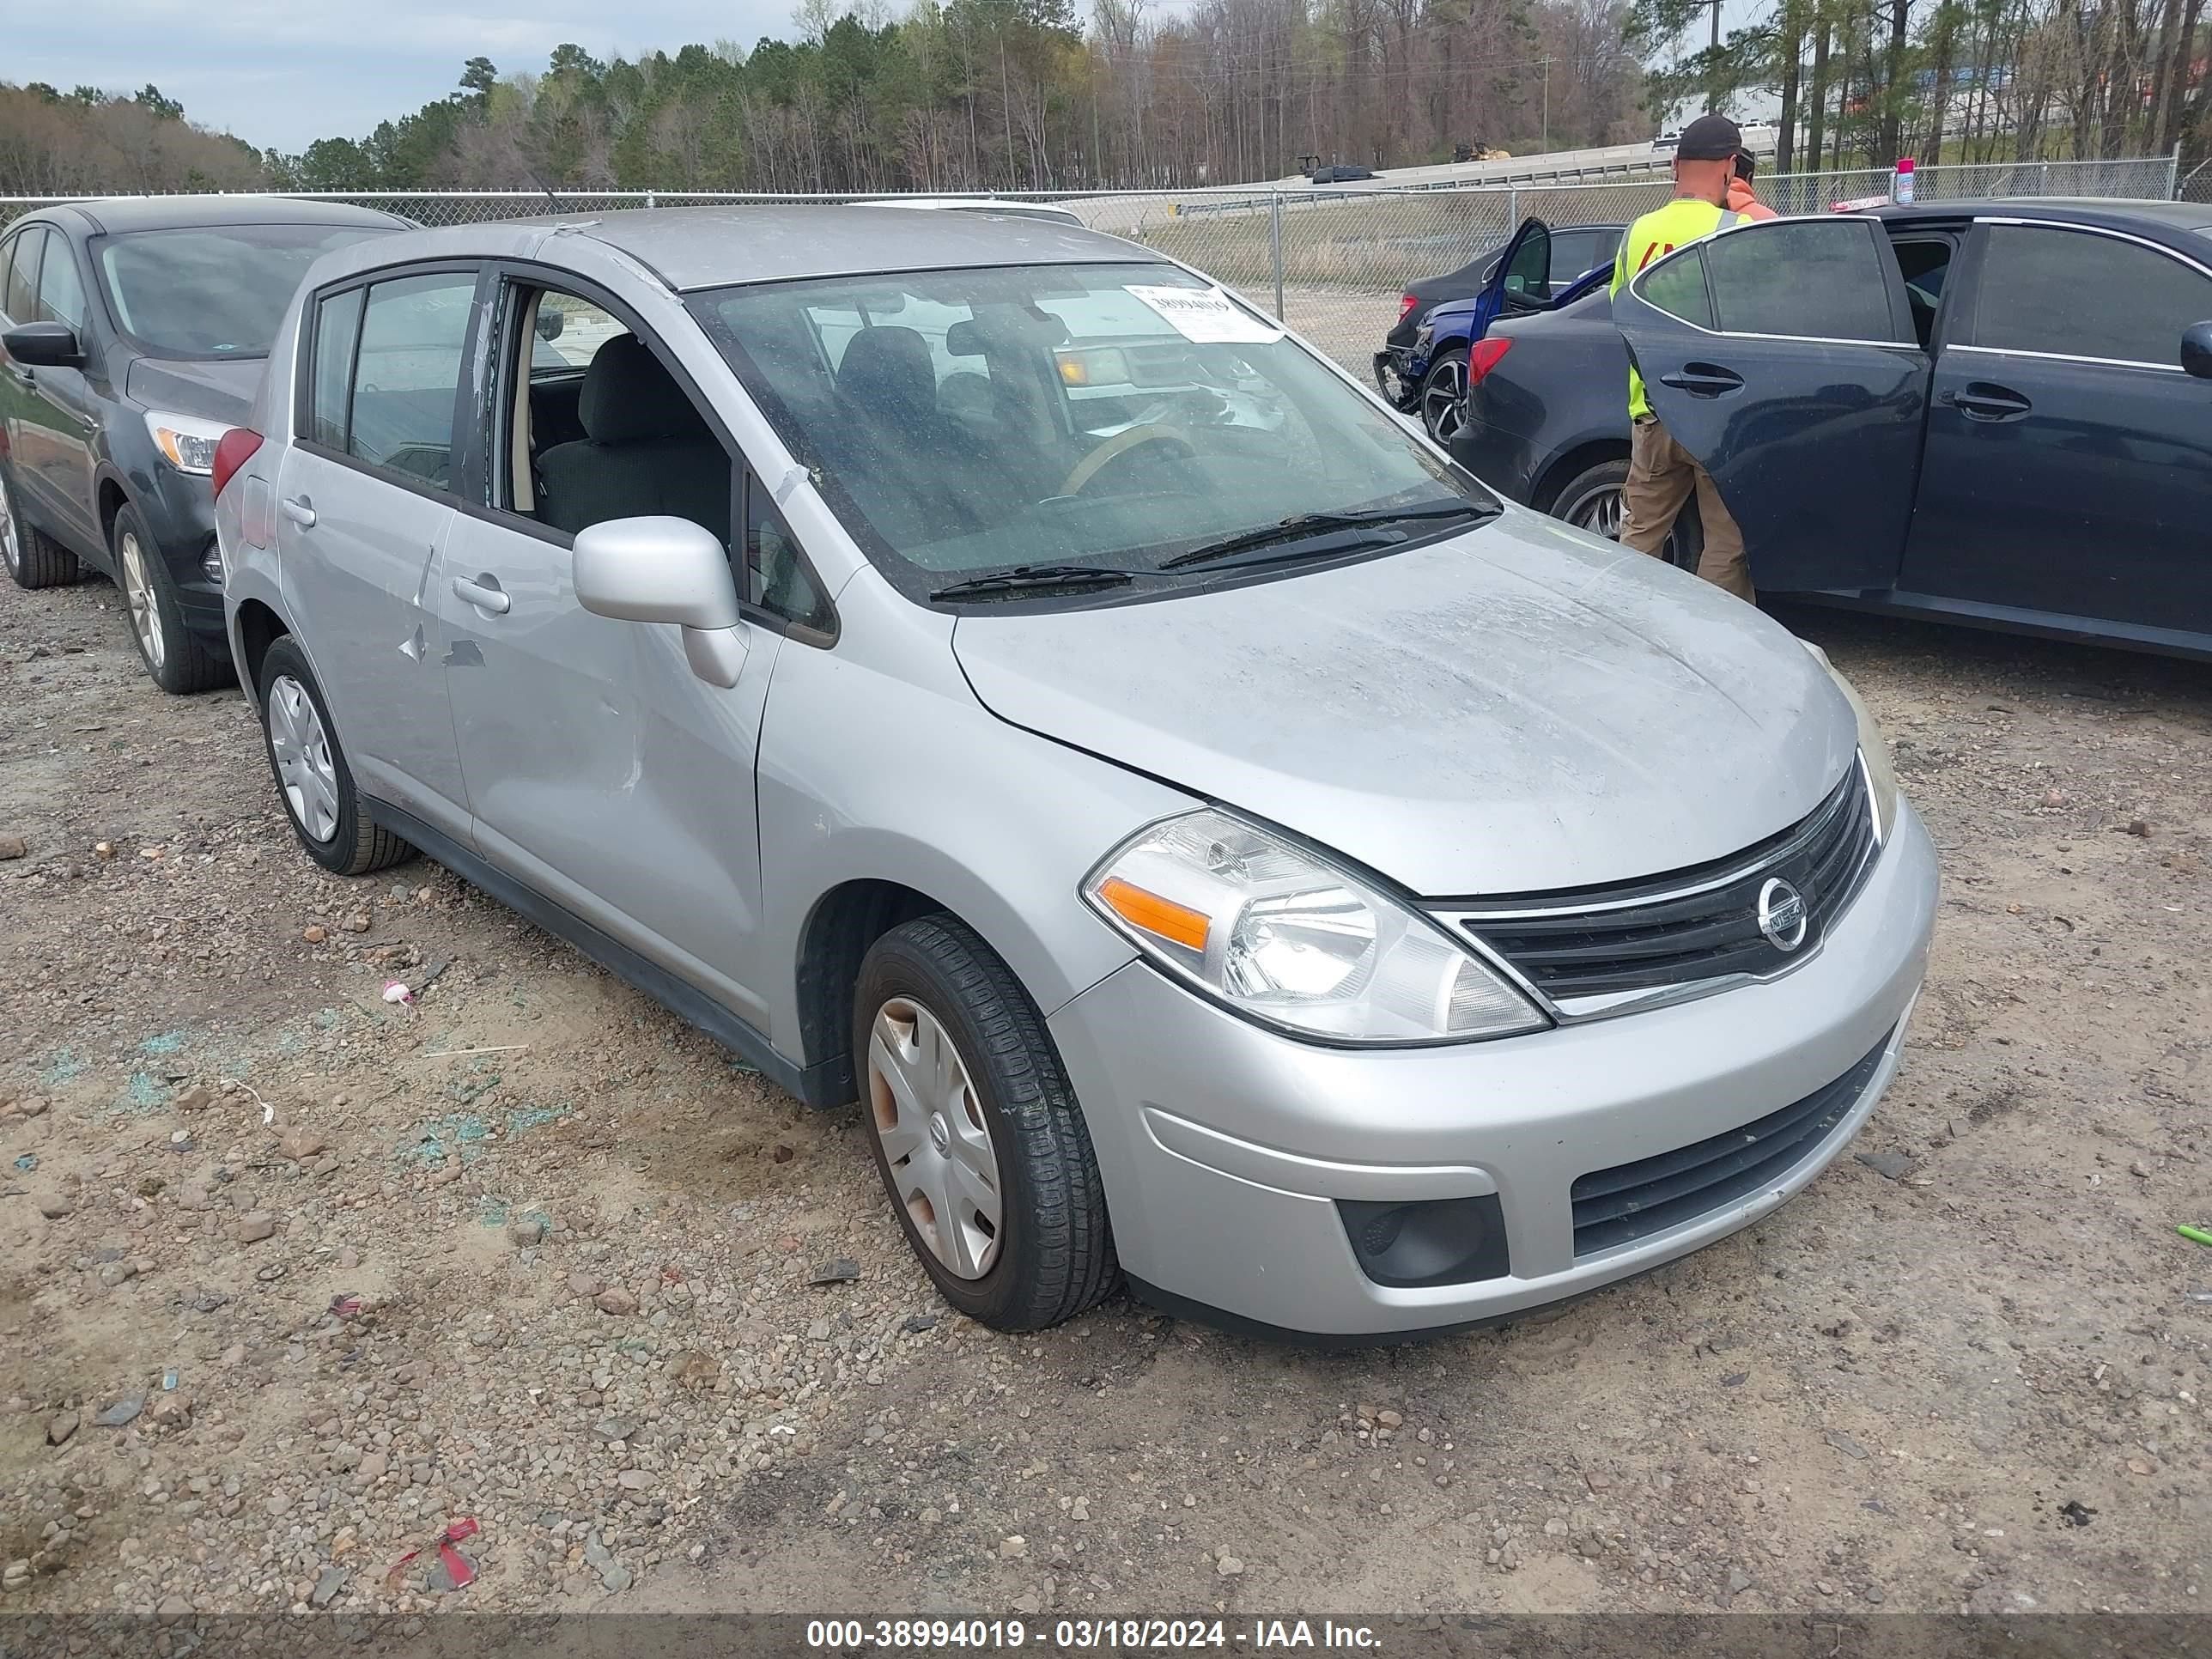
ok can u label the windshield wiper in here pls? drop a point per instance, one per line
(1307, 524)
(1035, 578)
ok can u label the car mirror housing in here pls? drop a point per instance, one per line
(2197, 350)
(665, 570)
(44, 346)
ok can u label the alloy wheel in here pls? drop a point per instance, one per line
(1599, 513)
(936, 1140)
(305, 768)
(1443, 399)
(138, 592)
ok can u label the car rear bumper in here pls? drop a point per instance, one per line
(1229, 1152)
(1501, 457)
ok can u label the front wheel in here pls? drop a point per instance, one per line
(1443, 395)
(1594, 501)
(977, 1135)
(177, 659)
(312, 778)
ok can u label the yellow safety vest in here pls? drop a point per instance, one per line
(1683, 221)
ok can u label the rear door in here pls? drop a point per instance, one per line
(1782, 354)
(2069, 458)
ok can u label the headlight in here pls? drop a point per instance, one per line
(186, 441)
(1288, 939)
(1873, 749)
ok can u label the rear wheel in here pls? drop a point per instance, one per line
(33, 558)
(1594, 501)
(976, 1132)
(178, 661)
(1443, 394)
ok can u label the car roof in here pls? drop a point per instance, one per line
(129, 213)
(700, 247)
(2110, 209)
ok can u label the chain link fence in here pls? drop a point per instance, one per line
(1332, 261)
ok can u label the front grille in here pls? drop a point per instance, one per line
(1693, 924)
(1634, 1201)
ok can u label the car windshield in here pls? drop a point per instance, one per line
(964, 423)
(213, 291)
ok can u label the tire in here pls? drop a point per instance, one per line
(1442, 398)
(1592, 501)
(1050, 1254)
(297, 733)
(33, 558)
(177, 659)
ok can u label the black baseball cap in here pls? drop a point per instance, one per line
(1709, 138)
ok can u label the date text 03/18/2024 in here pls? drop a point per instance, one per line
(1086, 1635)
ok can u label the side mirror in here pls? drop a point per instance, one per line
(2196, 350)
(665, 570)
(551, 324)
(44, 346)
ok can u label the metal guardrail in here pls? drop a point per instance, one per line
(1332, 260)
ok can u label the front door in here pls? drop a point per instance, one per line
(364, 508)
(46, 412)
(602, 771)
(1521, 279)
(1782, 354)
(2069, 459)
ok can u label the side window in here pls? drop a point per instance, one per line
(775, 578)
(2073, 292)
(18, 293)
(337, 330)
(1809, 278)
(1573, 252)
(61, 291)
(407, 374)
(1677, 287)
(593, 427)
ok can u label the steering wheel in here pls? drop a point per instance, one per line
(1123, 443)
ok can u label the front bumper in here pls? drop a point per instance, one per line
(179, 514)
(1224, 1148)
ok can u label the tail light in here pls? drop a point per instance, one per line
(1481, 357)
(233, 450)
(1405, 304)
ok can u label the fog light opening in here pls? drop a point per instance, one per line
(1444, 1241)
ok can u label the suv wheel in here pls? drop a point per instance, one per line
(312, 775)
(33, 559)
(178, 660)
(1593, 501)
(1443, 395)
(977, 1134)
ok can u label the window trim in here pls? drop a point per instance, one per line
(1892, 283)
(1970, 323)
(491, 363)
(304, 367)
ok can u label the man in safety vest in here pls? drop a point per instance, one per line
(1661, 472)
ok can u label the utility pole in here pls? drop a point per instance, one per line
(1713, 72)
(1546, 146)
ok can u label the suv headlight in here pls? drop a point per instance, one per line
(1873, 749)
(1288, 939)
(186, 441)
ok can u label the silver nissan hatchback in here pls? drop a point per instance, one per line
(971, 665)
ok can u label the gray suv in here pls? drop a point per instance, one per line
(1219, 845)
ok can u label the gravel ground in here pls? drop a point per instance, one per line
(531, 1252)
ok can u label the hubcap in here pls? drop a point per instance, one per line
(305, 770)
(936, 1141)
(1443, 395)
(145, 608)
(1599, 514)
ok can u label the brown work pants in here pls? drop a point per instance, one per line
(1661, 476)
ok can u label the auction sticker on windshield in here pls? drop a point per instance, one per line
(1206, 316)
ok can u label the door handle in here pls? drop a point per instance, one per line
(1980, 401)
(1704, 380)
(483, 592)
(299, 511)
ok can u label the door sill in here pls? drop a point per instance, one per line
(829, 1083)
(2012, 619)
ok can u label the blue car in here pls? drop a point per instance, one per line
(1430, 376)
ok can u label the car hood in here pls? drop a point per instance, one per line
(218, 390)
(1518, 708)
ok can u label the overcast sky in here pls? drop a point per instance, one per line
(283, 73)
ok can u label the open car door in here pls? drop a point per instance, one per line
(1522, 277)
(1782, 354)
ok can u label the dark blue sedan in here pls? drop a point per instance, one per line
(1991, 412)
